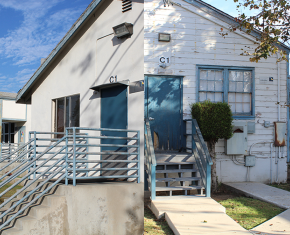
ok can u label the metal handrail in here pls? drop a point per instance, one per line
(201, 155)
(150, 159)
(15, 152)
(67, 159)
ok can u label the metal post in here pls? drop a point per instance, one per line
(208, 180)
(138, 156)
(153, 182)
(34, 156)
(1, 105)
(66, 157)
(74, 156)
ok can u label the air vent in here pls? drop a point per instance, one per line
(126, 5)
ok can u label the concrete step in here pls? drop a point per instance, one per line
(177, 179)
(176, 171)
(177, 188)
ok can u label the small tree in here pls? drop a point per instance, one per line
(215, 122)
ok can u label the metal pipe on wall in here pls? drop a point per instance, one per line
(279, 112)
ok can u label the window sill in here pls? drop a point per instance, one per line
(244, 117)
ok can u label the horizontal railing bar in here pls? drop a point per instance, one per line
(99, 129)
(103, 161)
(104, 145)
(103, 169)
(107, 153)
(109, 137)
(106, 177)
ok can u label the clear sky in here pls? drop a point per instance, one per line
(30, 29)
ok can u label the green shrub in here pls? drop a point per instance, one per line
(214, 120)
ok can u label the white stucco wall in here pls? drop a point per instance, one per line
(93, 58)
(196, 40)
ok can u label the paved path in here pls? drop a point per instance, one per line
(188, 215)
(266, 193)
(280, 224)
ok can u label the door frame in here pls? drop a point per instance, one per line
(182, 130)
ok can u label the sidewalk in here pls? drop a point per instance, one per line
(188, 215)
(280, 224)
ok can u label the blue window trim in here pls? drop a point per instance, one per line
(225, 70)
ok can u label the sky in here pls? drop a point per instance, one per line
(30, 30)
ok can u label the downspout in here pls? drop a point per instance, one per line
(1, 105)
(288, 109)
(279, 114)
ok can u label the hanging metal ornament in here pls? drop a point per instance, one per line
(167, 2)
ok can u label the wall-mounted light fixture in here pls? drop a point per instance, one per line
(164, 37)
(123, 30)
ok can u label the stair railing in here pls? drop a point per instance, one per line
(150, 160)
(67, 159)
(201, 155)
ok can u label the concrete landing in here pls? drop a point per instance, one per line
(278, 197)
(187, 215)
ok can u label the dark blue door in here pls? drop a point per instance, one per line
(114, 114)
(164, 109)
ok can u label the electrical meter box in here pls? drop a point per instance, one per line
(238, 144)
(250, 160)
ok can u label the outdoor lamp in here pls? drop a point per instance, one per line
(123, 30)
(164, 37)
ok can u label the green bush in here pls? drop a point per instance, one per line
(214, 120)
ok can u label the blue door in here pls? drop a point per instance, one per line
(163, 107)
(114, 114)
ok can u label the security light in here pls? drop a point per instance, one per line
(164, 37)
(123, 30)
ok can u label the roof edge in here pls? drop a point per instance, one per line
(58, 47)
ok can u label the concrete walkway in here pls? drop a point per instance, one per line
(280, 224)
(278, 197)
(188, 215)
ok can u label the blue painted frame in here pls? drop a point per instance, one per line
(225, 70)
(288, 109)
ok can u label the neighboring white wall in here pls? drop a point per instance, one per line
(94, 57)
(11, 110)
(196, 40)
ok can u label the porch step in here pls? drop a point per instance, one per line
(176, 171)
(177, 179)
(178, 188)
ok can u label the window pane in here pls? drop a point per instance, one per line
(232, 86)
(210, 74)
(218, 97)
(60, 115)
(219, 86)
(203, 85)
(248, 76)
(239, 97)
(247, 98)
(247, 107)
(203, 74)
(232, 97)
(239, 107)
(6, 128)
(67, 112)
(202, 96)
(247, 87)
(210, 85)
(219, 75)
(210, 96)
(75, 111)
(6, 138)
(233, 107)
(12, 138)
(12, 127)
(240, 86)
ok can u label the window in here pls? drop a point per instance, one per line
(233, 85)
(7, 135)
(66, 113)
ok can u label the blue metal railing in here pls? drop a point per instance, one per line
(201, 155)
(75, 156)
(150, 160)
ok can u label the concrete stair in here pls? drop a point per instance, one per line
(34, 214)
(176, 171)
